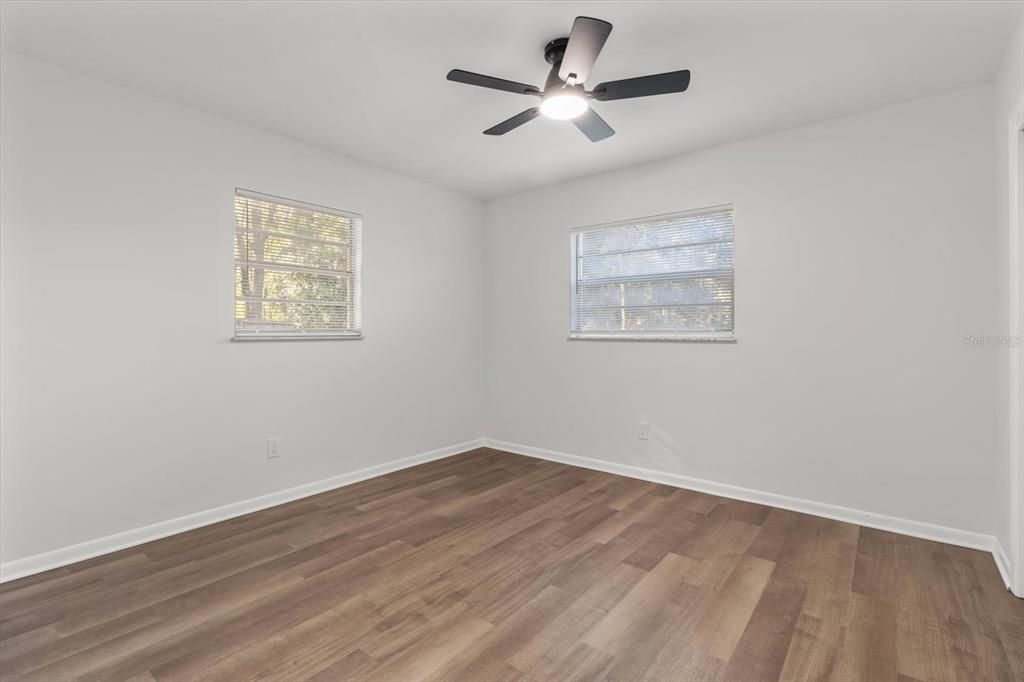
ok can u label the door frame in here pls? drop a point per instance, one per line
(1016, 361)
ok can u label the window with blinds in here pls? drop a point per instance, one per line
(296, 269)
(664, 277)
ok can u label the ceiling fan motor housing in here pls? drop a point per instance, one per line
(555, 50)
(553, 53)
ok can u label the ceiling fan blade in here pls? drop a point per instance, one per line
(514, 122)
(585, 42)
(593, 126)
(470, 78)
(643, 86)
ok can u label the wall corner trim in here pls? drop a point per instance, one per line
(893, 524)
(62, 556)
(1003, 564)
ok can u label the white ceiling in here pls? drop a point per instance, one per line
(367, 80)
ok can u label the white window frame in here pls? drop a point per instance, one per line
(357, 275)
(691, 337)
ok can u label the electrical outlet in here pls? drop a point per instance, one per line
(273, 448)
(645, 431)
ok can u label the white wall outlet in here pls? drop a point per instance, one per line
(645, 431)
(273, 448)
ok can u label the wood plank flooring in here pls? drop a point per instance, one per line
(491, 566)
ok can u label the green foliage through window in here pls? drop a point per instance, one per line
(296, 269)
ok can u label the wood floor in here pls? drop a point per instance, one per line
(491, 566)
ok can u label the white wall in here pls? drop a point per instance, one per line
(1009, 99)
(864, 250)
(865, 253)
(123, 401)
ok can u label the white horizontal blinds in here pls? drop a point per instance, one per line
(296, 269)
(665, 275)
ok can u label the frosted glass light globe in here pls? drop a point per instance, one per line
(563, 107)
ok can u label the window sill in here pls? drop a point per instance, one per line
(684, 338)
(296, 337)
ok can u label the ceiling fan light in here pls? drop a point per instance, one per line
(563, 107)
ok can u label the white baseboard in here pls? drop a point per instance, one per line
(918, 529)
(37, 563)
(1002, 563)
(63, 556)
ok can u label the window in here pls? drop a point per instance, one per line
(296, 269)
(668, 277)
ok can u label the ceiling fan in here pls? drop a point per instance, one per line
(564, 96)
